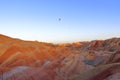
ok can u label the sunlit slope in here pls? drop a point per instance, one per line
(26, 52)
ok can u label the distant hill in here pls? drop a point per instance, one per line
(111, 45)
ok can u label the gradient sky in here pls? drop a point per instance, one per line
(80, 19)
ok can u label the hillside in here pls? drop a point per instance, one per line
(33, 60)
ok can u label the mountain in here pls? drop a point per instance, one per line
(33, 60)
(109, 45)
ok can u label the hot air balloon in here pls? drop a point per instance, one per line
(59, 19)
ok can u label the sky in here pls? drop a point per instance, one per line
(81, 20)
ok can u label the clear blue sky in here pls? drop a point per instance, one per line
(80, 19)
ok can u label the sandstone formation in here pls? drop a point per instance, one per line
(33, 60)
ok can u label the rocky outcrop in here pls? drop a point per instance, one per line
(108, 69)
(109, 45)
